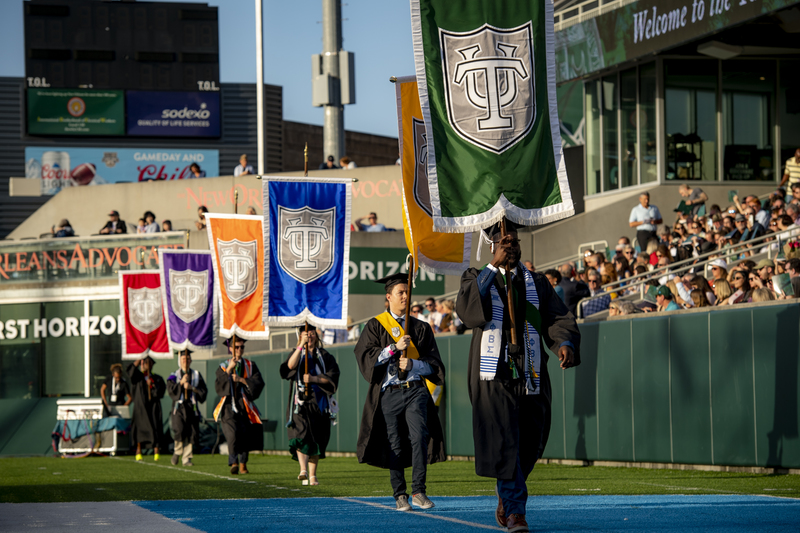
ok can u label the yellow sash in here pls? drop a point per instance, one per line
(391, 325)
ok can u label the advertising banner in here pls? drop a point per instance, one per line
(75, 112)
(307, 246)
(68, 167)
(173, 114)
(645, 27)
(370, 264)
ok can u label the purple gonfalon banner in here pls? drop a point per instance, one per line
(187, 286)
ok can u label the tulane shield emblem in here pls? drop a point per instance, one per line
(306, 240)
(144, 309)
(489, 84)
(238, 260)
(188, 294)
(422, 195)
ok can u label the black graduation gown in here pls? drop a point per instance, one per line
(183, 419)
(248, 436)
(309, 424)
(373, 442)
(504, 419)
(147, 426)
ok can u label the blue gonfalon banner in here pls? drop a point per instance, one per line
(307, 249)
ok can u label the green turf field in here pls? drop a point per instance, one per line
(113, 479)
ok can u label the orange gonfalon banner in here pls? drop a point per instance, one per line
(441, 253)
(237, 243)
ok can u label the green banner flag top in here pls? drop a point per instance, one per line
(487, 85)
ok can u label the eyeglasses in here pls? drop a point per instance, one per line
(773, 223)
(429, 305)
(629, 252)
(593, 281)
(752, 278)
(239, 347)
(738, 278)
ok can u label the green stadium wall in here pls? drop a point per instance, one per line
(715, 387)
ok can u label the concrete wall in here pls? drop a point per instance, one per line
(377, 189)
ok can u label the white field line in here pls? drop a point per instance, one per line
(426, 515)
(676, 487)
(200, 472)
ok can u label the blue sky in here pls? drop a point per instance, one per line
(377, 31)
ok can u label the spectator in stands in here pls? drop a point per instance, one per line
(761, 215)
(114, 224)
(794, 198)
(755, 228)
(755, 281)
(699, 299)
(740, 286)
(622, 267)
(64, 229)
(608, 274)
(793, 267)
(792, 171)
(793, 211)
(416, 311)
(373, 225)
(722, 291)
(166, 225)
(140, 226)
(150, 224)
(764, 270)
(449, 321)
(196, 171)
(622, 308)
(554, 277)
(693, 197)
(628, 253)
(665, 300)
(622, 242)
(242, 169)
(200, 224)
(529, 266)
(328, 164)
(251, 210)
(600, 300)
(346, 162)
(574, 289)
(701, 284)
(719, 269)
(763, 295)
(672, 285)
(645, 218)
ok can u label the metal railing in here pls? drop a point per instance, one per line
(589, 9)
(639, 281)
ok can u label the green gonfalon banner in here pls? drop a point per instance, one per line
(487, 85)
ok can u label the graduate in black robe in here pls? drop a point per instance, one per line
(147, 426)
(114, 390)
(188, 390)
(510, 426)
(399, 424)
(310, 418)
(239, 384)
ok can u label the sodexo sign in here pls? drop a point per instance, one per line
(173, 114)
(70, 326)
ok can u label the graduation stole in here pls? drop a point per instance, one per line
(176, 376)
(491, 338)
(395, 331)
(252, 411)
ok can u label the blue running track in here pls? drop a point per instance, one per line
(673, 514)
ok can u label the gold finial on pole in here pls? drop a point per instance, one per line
(305, 161)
